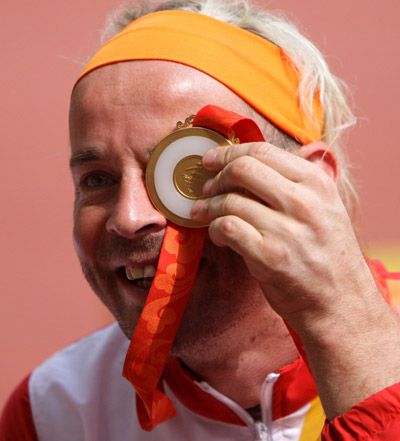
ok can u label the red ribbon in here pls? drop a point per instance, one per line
(159, 321)
(176, 272)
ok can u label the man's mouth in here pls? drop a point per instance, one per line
(141, 276)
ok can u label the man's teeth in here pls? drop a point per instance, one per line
(137, 272)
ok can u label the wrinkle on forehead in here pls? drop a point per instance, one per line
(159, 80)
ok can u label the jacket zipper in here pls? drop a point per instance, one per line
(266, 406)
(261, 431)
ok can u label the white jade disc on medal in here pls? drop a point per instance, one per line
(174, 175)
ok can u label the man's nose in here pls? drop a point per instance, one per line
(132, 213)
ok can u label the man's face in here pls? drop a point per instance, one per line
(118, 114)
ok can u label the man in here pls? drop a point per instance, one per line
(281, 257)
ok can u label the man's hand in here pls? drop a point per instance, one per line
(283, 214)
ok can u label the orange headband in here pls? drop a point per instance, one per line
(254, 68)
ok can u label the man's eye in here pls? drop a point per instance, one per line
(97, 180)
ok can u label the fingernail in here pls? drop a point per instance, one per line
(196, 208)
(209, 158)
(207, 187)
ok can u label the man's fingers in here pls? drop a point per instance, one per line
(237, 234)
(260, 250)
(229, 204)
(285, 163)
(250, 210)
(279, 179)
(248, 174)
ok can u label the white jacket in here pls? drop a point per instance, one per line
(79, 394)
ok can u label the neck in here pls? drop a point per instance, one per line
(239, 370)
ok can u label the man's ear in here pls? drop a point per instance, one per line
(319, 154)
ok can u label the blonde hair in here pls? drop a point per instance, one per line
(314, 73)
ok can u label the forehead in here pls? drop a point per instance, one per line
(141, 101)
(159, 84)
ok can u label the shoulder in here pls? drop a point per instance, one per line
(102, 350)
(77, 387)
(72, 391)
(76, 368)
(16, 422)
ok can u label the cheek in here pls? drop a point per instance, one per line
(89, 227)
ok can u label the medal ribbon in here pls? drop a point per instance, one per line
(176, 272)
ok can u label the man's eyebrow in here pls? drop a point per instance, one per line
(86, 155)
(93, 154)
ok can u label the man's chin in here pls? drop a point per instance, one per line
(190, 341)
(128, 326)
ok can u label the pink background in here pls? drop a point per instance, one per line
(44, 301)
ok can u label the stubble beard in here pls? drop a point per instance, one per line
(214, 317)
(221, 299)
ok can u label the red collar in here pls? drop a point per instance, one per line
(294, 388)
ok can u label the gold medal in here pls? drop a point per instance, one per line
(190, 176)
(175, 175)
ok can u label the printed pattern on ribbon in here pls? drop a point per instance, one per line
(159, 321)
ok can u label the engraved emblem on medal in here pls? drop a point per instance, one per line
(175, 175)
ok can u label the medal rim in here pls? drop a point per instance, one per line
(221, 140)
